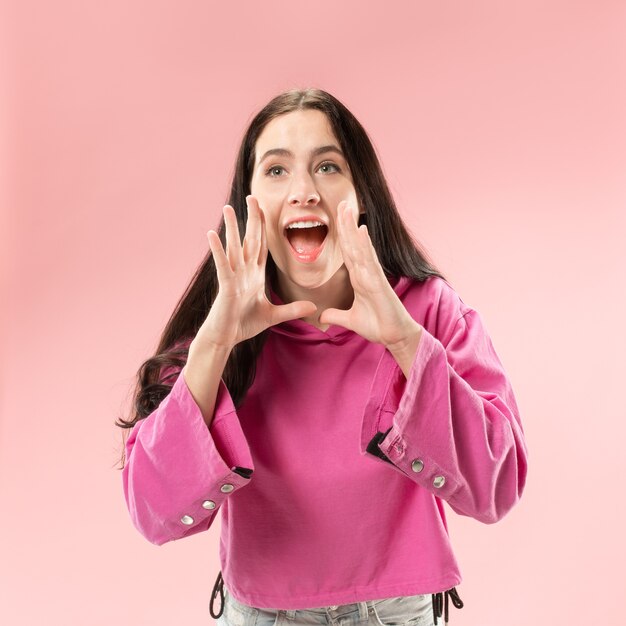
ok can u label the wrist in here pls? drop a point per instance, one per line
(208, 349)
(404, 349)
(407, 339)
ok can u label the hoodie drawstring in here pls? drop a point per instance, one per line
(439, 605)
(218, 587)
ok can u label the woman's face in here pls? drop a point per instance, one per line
(301, 175)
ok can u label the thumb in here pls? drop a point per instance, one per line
(336, 316)
(293, 310)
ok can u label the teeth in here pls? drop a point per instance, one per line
(309, 224)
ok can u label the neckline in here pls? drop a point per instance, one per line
(298, 328)
(301, 327)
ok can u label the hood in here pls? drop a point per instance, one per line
(303, 331)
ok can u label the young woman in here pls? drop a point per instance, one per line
(324, 386)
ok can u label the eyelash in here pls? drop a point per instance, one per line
(274, 167)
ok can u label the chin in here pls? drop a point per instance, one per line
(312, 278)
(337, 275)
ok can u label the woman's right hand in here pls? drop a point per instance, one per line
(241, 309)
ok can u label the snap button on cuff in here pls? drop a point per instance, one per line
(417, 465)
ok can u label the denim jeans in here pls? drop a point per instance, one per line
(400, 611)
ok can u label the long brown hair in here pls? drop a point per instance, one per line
(398, 253)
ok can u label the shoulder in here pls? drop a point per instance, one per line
(433, 303)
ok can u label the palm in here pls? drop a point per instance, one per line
(241, 309)
(376, 313)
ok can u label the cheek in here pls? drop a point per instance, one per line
(260, 189)
(273, 234)
(355, 211)
(350, 196)
(264, 185)
(270, 203)
(352, 199)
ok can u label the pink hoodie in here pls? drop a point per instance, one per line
(332, 474)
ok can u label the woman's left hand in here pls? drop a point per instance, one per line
(376, 313)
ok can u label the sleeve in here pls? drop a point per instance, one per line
(178, 472)
(453, 427)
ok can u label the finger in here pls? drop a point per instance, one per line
(220, 259)
(263, 247)
(293, 310)
(252, 239)
(343, 244)
(233, 247)
(375, 280)
(370, 258)
(364, 267)
(338, 317)
(350, 240)
(353, 240)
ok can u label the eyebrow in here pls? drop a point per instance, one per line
(287, 153)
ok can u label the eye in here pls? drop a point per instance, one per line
(270, 171)
(329, 164)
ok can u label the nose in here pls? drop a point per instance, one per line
(303, 192)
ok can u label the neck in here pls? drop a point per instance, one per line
(337, 293)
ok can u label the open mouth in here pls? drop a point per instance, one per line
(307, 242)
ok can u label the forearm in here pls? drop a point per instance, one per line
(455, 424)
(202, 373)
(177, 445)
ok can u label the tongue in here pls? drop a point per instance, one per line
(305, 240)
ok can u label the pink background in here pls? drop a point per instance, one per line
(501, 127)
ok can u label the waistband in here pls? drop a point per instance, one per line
(439, 600)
